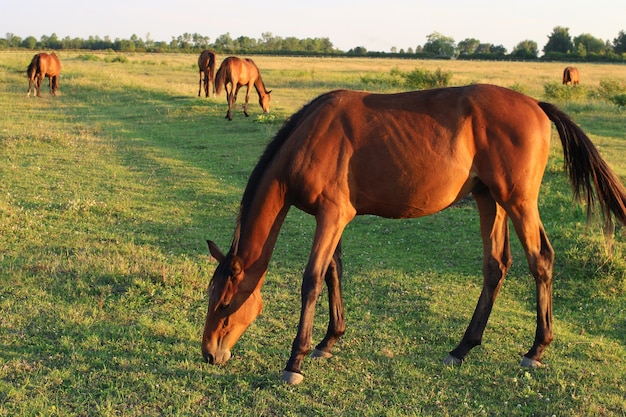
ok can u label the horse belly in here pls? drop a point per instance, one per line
(416, 194)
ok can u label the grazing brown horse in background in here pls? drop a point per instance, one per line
(206, 65)
(239, 72)
(403, 155)
(43, 65)
(571, 76)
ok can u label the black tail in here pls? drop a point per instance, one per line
(220, 79)
(33, 67)
(587, 170)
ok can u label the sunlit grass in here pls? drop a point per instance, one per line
(108, 192)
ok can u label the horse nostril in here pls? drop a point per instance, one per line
(209, 358)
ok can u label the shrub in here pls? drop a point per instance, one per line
(117, 58)
(417, 79)
(619, 99)
(558, 92)
(88, 57)
(613, 91)
(420, 79)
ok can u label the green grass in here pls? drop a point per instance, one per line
(108, 192)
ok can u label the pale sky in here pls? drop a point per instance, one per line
(377, 25)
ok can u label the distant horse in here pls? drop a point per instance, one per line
(206, 65)
(402, 155)
(239, 72)
(571, 76)
(43, 65)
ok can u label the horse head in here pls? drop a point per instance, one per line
(264, 101)
(233, 306)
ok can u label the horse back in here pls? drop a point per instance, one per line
(412, 154)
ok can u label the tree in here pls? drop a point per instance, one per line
(12, 40)
(619, 43)
(559, 41)
(586, 44)
(526, 49)
(359, 50)
(439, 45)
(29, 42)
(224, 42)
(468, 46)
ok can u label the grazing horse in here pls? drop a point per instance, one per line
(403, 155)
(206, 65)
(43, 65)
(571, 76)
(239, 72)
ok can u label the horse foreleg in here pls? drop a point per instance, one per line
(327, 236)
(496, 262)
(38, 85)
(200, 84)
(336, 322)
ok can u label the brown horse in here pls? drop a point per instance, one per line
(402, 156)
(571, 76)
(43, 65)
(239, 72)
(206, 65)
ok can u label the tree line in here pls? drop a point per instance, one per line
(560, 46)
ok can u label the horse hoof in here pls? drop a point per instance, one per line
(292, 378)
(530, 363)
(452, 361)
(321, 354)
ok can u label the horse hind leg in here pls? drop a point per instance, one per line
(496, 263)
(540, 256)
(245, 106)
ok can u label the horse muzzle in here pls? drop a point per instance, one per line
(216, 357)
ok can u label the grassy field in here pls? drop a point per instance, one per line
(108, 192)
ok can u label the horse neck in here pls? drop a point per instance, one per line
(259, 225)
(260, 86)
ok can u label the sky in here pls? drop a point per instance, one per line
(376, 25)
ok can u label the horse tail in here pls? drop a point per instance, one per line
(211, 70)
(587, 170)
(33, 67)
(220, 80)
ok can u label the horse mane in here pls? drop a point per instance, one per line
(266, 160)
(259, 79)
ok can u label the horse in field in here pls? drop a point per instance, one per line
(239, 72)
(43, 65)
(571, 76)
(206, 66)
(403, 155)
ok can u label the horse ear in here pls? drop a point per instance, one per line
(269, 92)
(215, 251)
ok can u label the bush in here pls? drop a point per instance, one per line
(117, 58)
(619, 99)
(417, 79)
(87, 57)
(421, 79)
(613, 91)
(558, 92)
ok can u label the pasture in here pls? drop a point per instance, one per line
(109, 190)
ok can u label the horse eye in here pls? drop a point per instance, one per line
(224, 306)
